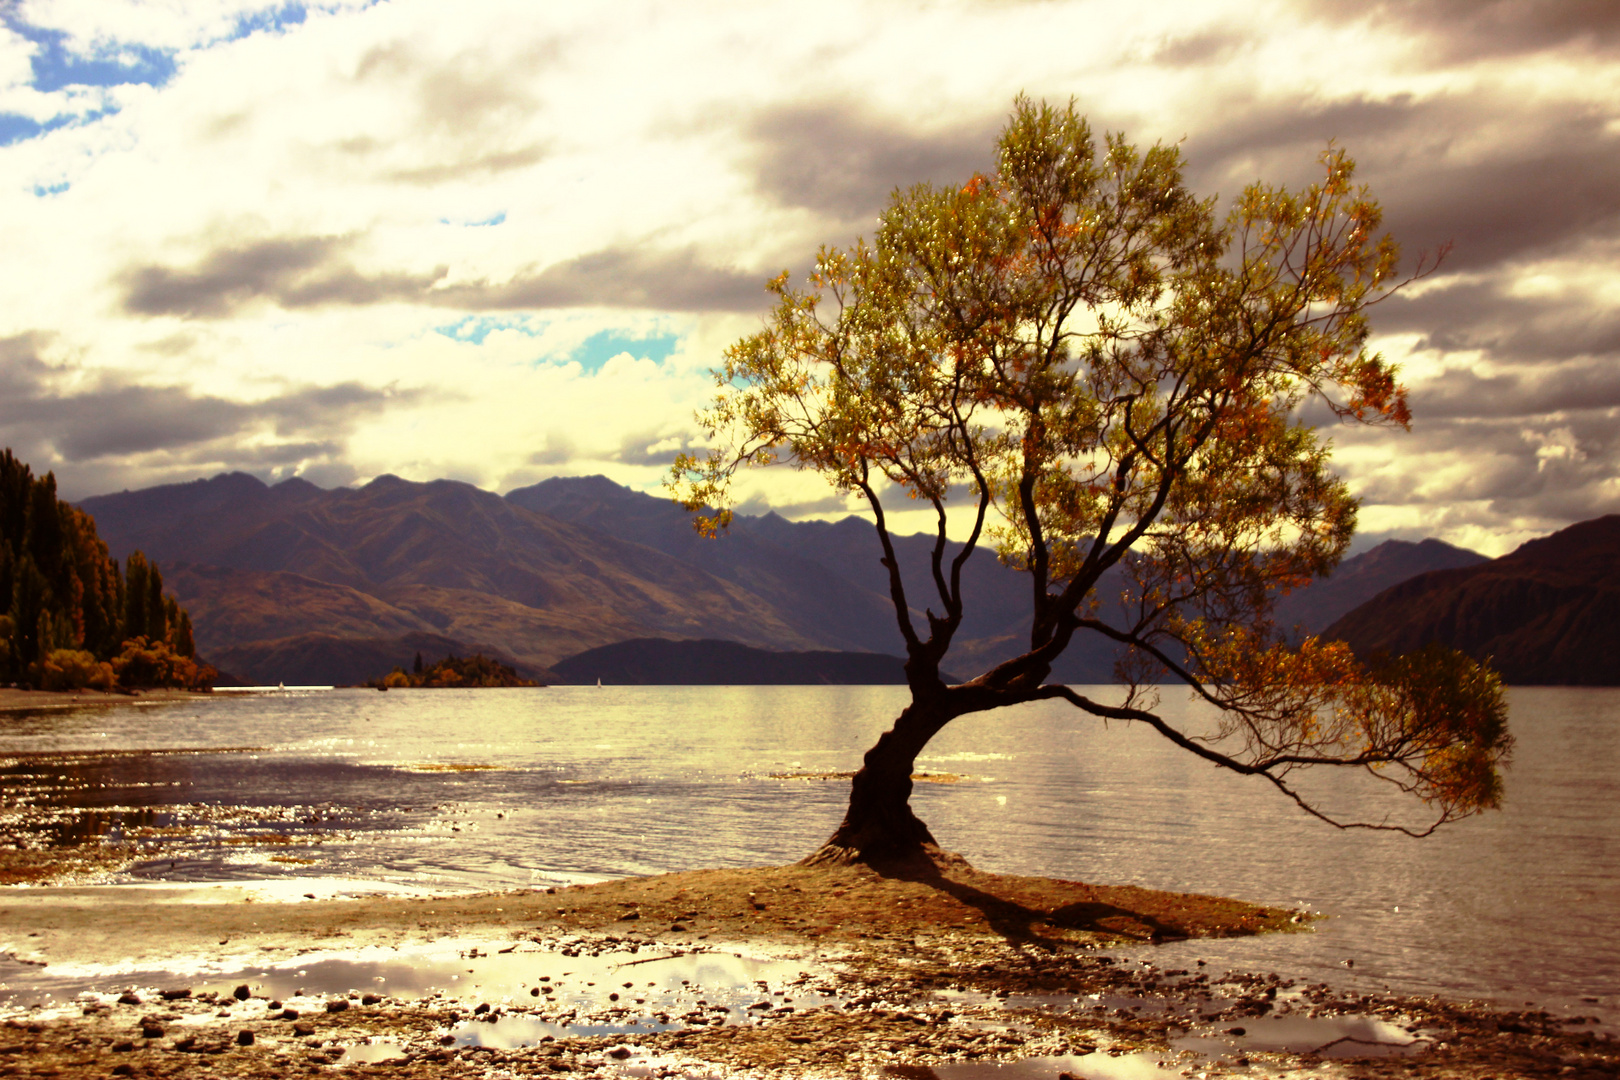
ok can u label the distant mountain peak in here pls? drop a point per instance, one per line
(295, 483)
(1361, 577)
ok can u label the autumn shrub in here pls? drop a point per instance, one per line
(144, 663)
(75, 669)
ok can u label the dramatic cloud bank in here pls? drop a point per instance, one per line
(497, 241)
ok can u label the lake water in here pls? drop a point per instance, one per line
(453, 790)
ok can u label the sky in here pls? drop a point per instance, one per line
(498, 241)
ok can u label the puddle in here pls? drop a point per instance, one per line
(1326, 1036)
(621, 994)
(371, 1053)
(1209, 1035)
(1096, 1066)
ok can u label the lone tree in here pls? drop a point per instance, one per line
(1107, 377)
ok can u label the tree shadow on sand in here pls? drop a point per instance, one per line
(1023, 922)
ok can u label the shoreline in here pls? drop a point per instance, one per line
(931, 975)
(16, 700)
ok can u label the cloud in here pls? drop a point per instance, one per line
(1533, 474)
(1497, 179)
(618, 277)
(559, 450)
(837, 159)
(293, 272)
(1578, 386)
(1487, 316)
(1198, 50)
(21, 369)
(111, 418)
(1461, 30)
(462, 168)
(471, 111)
(655, 448)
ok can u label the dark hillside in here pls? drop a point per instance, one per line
(1359, 579)
(826, 575)
(833, 601)
(1547, 613)
(658, 662)
(330, 660)
(442, 557)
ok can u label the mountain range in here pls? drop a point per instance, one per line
(298, 584)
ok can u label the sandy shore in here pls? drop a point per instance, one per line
(898, 976)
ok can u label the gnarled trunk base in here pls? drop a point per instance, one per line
(879, 828)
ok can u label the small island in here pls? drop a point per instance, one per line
(464, 672)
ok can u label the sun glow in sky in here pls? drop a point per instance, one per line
(498, 241)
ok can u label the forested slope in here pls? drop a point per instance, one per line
(75, 618)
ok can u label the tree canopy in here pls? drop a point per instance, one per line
(1100, 373)
(72, 618)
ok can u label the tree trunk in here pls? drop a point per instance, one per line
(879, 827)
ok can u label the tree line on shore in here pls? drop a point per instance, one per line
(73, 618)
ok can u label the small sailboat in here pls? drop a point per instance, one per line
(599, 682)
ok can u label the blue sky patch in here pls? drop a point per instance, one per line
(496, 220)
(15, 127)
(475, 328)
(273, 19)
(603, 346)
(57, 67)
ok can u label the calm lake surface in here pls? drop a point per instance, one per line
(454, 790)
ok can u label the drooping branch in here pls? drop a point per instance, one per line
(1273, 769)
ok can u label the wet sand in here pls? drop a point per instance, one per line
(14, 700)
(923, 975)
